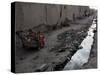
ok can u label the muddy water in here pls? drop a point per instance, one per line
(82, 55)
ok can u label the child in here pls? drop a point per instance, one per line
(41, 39)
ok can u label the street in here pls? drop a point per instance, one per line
(52, 54)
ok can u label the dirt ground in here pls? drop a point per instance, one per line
(52, 55)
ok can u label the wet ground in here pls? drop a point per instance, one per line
(82, 55)
(56, 52)
(92, 62)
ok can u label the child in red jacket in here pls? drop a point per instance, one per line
(41, 39)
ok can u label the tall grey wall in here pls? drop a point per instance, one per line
(29, 15)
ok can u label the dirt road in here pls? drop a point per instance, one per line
(30, 60)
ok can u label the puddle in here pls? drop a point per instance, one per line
(82, 55)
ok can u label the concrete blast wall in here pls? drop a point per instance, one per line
(29, 15)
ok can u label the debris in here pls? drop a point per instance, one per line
(62, 49)
(36, 57)
(60, 65)
(31, 39)
(42, 68)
